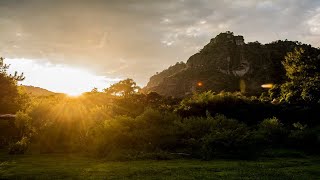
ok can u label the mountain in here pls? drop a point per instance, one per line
(37, 91)
(226, 63)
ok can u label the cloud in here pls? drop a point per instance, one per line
(148, 35)
(314, 23)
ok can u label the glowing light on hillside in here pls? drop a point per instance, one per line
(267, 86)
(200, 84)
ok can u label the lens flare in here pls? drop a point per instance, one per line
(267, 86)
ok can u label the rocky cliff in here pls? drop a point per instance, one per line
(226, 63)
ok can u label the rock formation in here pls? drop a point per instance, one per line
(226, 63)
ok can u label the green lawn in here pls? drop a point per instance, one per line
(62, 166)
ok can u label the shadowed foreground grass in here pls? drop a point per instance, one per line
(62, 166)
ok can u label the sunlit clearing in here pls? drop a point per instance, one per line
(57, 77)
(200, 84)
(267, 86)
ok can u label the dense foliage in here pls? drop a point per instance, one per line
(303, 73)
(123, 88)
(142, 126)
(123, 123)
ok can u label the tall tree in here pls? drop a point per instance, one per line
(123, 88)
(9, 92)
(303, 72)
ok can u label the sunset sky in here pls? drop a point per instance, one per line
(72, 46)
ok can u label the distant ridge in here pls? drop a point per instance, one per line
(37, 91)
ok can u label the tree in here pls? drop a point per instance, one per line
(123, 88)
(5, 67)
(94, 90)
(303, 72)
(302, 64)
(9, 92)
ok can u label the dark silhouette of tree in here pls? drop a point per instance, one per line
(123, 88)
(9, 92)
(4, 68)
(153, 97)
(94, 90)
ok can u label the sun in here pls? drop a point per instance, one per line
(60, 78)
(74, 94)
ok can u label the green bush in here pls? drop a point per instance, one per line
(227, 138)
(234, 105)
(302, 137)
(148, 132)
(271, 132)
(23, 124)
(19, 147)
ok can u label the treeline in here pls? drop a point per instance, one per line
(149, 126)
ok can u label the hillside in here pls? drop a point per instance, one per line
(37, 91)
(226, 63)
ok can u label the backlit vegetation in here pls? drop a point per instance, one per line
(123, 123)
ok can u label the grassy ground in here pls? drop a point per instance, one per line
(62, 166)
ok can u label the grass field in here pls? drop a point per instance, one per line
(62, 166)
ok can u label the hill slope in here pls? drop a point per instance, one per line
(37, 91)
(226, 63)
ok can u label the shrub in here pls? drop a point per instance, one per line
(150, 131)
(233, 105)
(227, 138)
(302, 137)
(19, 147)
(23, 124)
(271, 132)
(218, 136)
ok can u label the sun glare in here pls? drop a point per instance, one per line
(74, 94)
(267, 86)
(200, 84)
(59, 78)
